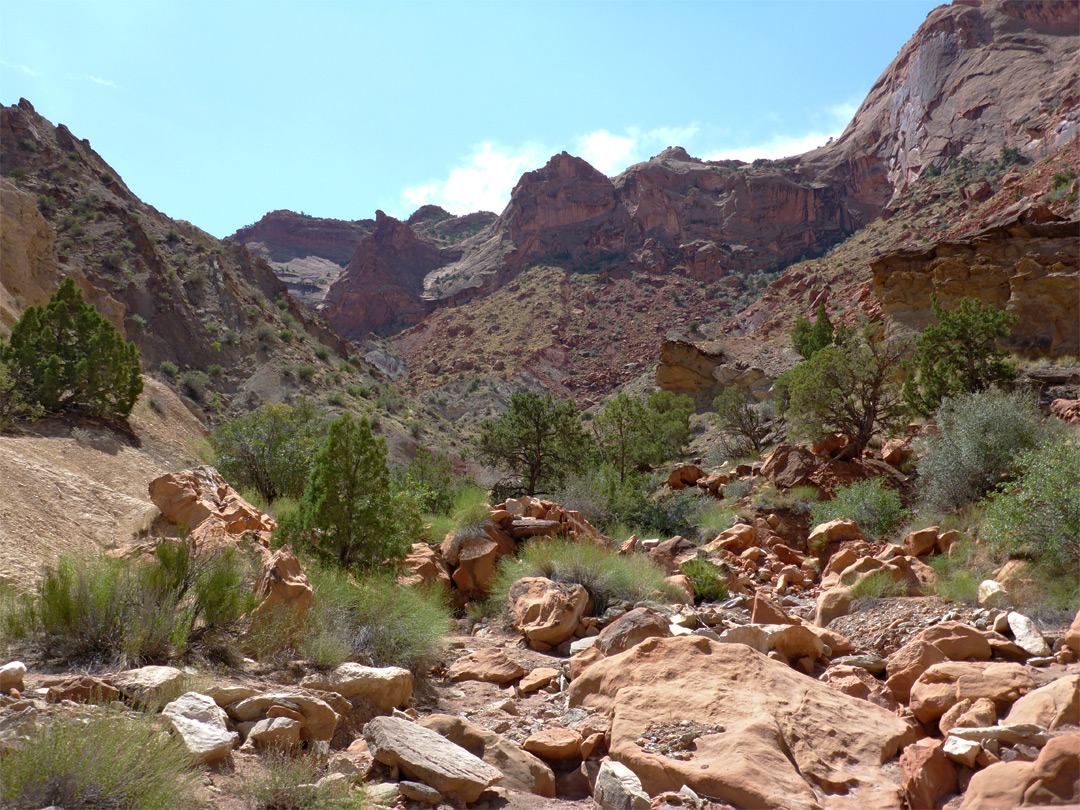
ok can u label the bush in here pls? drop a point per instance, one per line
(742, 423)
(66, 357)
(809, 338)
(269, 449)
(1037, 516)
(431, 475)
(193, 383)
(322, 352)
(135, 611)
(169, 368)
(287, 782)
(377, 621)
(871, 504)
(607, 577)
(305, 372)
(102, 760)
(711, 518)
(710, 584)
(349, 511)
(978, 438)
(849, 389)
(958, 354)
(958, 575)
(265, 333)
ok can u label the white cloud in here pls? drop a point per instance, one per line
(482, 183)
(484, 179)
(779, 146)
(104, 82)
(21, 68)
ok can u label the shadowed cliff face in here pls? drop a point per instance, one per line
(976, 76)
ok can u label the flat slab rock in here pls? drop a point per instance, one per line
(430, 758)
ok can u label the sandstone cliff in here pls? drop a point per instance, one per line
(1026, 264)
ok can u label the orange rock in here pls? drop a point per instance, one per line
(629, 629)
(490, 664)
(554, 744)
(927, 773)
(425, 566)
(685, 476)
(1052, 779)
(283, 584)
(546, 611)
(201, 500)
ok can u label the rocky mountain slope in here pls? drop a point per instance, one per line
(914, 163)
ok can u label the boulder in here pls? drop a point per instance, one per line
(1072, 636)
(618, 788)
(831, 604)
(834, 531)
(906, 664)
(537, 679)
(476, 560)
(631, 628)
(149, 686)
(425, 566)
(685, 476)
(944, 685)
(282, 584)
(213, 511)
(926, 774)
(546, 611)
(1051, 706)
(766, 611)
(773, 738)
(895, 452)
(554, 744)
(992, 594)
(387, 688)
(11, 676)
(858, 682)
(961, 751)
(84, 689)
(429, 757)
(521, 770)
(320, 719)
(921, 542)
(491, 665)
(1027, 635)
(789, 465)
(670, 554)
(969, 714)
(1052, 779)
(279, 733)
(202, 725)
(793, 641)
(737, 539)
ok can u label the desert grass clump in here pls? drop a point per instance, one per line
(607, 577)
(877, 585)
(134, 612)
(959, 573)
(288, 782)
(120, 761)
(870, 503)
(375, 620)
(710, 584)
(711, 518)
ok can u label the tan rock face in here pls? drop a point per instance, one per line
(943, 685)
(629, 629)
(554, 744)
(1052, 779)
(283, 584)
(926, 772)
(27, 258)
(546, 611)
(213, 511)
(774, 750)
(1052, 706)
(426, 566)
(491, 664)
(1025, 268)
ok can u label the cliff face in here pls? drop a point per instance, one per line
(1026, 264)
(307, 253)
(975, 77)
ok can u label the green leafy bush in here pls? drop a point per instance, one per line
(744, 424)
(66, 357)
(607, 577)
(959, 354)
(877, 585)
(193, 383)
(432, 476)
(349, 511)
(958, 573)
(305, 372)
(809, 338)
(870, 503)
(269, 449)
(107, 759)
(975, 446)
(710, 584)
(169, 368)
(1037, 515)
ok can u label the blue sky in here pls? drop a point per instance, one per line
(217, 112)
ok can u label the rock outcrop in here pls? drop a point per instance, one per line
(1028, 264)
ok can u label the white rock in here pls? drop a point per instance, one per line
(274, 732)
(149, 685)
(202, 725)
(960, 750)
(11, 676)
(618, 788)
(1027, 635)
(582, 644)
(992, 594)
(386, 687)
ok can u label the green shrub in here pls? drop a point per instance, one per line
(305, 372)
(193, 383)
(433, 478)
(286, 335)
(958, 575)
(46, 203)
(337, 398)
(269, 449)
(135, 611)
(737, 489)
(871, 504)
(169, 368)
(1037, 516)
(710, 584)
(744, 424)
(322, 352)
(975, 447)
(66, 357)
(265, 332)
(107, 759)
(214, 370)
(607, 577)
(711, 518)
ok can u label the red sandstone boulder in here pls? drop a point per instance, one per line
(630, 629)
(283, 584)
(926, 773)
(1052, 779)
(546, 611)
(201, 500)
